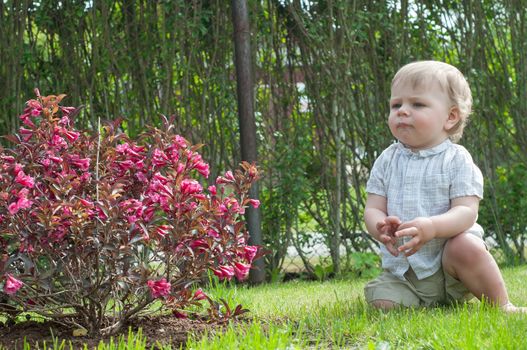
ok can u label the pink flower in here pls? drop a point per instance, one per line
(160, 178)
(141, 177)
(223, 209)
(26, 133)
(255, 203)
(126, 164)
(34, 104)
(180, 168)
(21, 203)
(149, 213)
(66, 210)
(140, 164)
(213, 233)
(179, 314)
(13, 208)
(212, 190)
(67, 110)
(46, 163)
(241, 270)
(159, 288)
(7, 159)
(250, 252)
(122, 148)
(87, 203)
(202, 168)
(189, 186)
(85, 177)
(82, 163)
(159, 189)
(71, 135)
(199, 244)
(101, 213)
(12, 285)
(231, 204)
(58, 141)
(26, 249)
(58, 234)
(228, 178)
(159, 158)
(17, 168)
(64, 121)
(180, 141)
(55, 159)
(199, 295)
(133, 209)
(224, 271)
(26, 119)
(25, 180)
(163, 230)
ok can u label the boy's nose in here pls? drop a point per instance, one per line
(402, 111)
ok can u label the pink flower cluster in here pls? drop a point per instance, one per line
(63, 192)
(159, 288)
(240, 269)
(21, 202)
(12, 285)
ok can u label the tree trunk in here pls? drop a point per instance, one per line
(245, 86)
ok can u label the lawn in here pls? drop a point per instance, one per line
(332, 315)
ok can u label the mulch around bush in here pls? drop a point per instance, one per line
(167, 330)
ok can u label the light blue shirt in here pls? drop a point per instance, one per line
(423, 183)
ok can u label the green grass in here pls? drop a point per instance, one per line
(134, 341)
(332, 315)
(324, 315)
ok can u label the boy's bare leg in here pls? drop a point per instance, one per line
(466, 258)
(385, 305)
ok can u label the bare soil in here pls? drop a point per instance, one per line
(166, 330)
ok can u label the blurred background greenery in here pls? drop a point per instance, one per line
(322, 82)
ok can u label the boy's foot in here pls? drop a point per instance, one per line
(511, 309)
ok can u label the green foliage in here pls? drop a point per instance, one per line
(322, 272)
(142, 58)
(503, 211)
(364, 265)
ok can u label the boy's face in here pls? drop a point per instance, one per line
(420, 117)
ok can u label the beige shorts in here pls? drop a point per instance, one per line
(438, 289)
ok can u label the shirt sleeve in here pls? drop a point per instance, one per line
(466, 178)
(376, 182)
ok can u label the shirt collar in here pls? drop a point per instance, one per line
(425, 152)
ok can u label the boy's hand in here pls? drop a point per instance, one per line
(387, 229)
(421, 229)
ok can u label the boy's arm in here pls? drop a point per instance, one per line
(461, 216)
(374, 212)
(381, 226)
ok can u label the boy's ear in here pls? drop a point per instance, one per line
(453, 118)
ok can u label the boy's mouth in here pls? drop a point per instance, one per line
(404, 125)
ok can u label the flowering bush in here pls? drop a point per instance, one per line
(93, 228)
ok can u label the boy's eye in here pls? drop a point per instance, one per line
(396, 105)
(419, 104)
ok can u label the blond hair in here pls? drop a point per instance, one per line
(421, 73)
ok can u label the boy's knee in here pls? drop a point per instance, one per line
(384, 305)
(464, 249)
